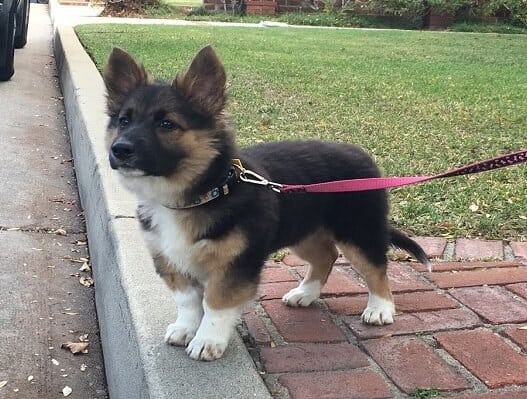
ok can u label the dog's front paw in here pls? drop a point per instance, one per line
(180, 334)
(303, 295)
(379, 311)
(206, 348)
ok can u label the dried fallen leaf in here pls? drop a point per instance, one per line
(83, 338)
(83, 367)
(522, 328)
(76, 347)
(3, 384)
(86, 281)
(61, 232)
(85, 267)
(55, 362)
(81, 242)
(398, 255)
(66, 391)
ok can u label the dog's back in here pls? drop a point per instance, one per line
(360, 217)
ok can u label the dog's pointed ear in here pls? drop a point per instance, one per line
(204, 83)
(122, 74)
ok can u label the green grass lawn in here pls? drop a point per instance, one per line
(419, 102)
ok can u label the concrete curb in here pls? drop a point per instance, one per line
(133, 305)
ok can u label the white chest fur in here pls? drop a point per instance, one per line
(169, 237)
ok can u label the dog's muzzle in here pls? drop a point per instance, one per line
(122, 153)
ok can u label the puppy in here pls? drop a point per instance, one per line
(209, 232)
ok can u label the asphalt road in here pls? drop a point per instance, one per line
(42, 238)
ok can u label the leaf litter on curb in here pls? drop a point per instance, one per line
(66, 391)
(86, 281)
(85, 267)
(76, 347)
(74, 260)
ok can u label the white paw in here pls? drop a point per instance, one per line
(206, 349)
(303, 295)
(213, 334)
(379, 311)
(180, 334)
(188, 319)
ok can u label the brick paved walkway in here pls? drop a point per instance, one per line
(461, 329)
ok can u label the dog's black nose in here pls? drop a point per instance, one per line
(122, 148)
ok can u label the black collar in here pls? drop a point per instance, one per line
(222, 190)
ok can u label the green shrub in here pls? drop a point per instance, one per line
(199, 11)
(452, 6)
(508, 11)
(388, 7)
(409, 13)
(514, 10)
(333, 18)
(479, 27)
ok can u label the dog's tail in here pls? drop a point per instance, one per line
(401, 240)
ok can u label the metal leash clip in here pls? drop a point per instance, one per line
(248, 176)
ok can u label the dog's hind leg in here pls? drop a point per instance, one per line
(320, 251)
(380, 309)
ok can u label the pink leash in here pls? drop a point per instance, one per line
(377, 183)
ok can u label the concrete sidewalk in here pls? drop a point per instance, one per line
(459, 331)
(42, 237)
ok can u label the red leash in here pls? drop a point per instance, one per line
(378, 183)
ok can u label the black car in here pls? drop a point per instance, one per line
(14, 18)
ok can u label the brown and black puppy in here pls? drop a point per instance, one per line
(208, 232)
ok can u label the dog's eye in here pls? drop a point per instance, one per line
(167, 124)
(123, 122)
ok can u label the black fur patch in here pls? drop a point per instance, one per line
(144, 218)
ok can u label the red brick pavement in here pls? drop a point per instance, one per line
(461, 329)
